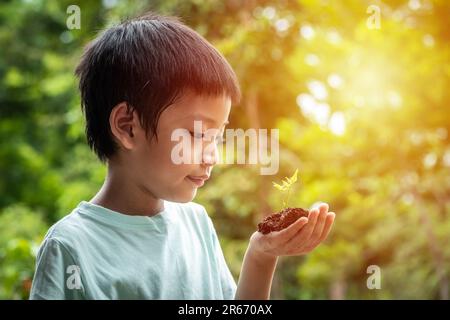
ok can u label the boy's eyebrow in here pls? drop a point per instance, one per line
(208, 119)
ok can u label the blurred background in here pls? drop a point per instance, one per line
(362, 106)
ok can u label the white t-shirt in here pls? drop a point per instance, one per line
(97, 253)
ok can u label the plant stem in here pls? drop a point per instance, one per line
(288, 195)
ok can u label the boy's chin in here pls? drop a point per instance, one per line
(185, 195)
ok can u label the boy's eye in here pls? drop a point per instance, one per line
(197, 135)
(201, 135)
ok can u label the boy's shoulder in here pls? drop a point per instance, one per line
(191, 212)
(190, 208)
(77, 221)
(69, 225)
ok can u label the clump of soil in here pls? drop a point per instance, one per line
(281, 220)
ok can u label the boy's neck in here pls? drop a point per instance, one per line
(120, 194)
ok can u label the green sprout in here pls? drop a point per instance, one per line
(286, 187)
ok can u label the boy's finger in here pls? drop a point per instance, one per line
(320, 206)
(283, 236)
(308, 230)
(318, 229)
(328, 224)
(329, 218)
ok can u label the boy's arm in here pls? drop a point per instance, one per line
(51, 280)
(256, 276)
(263, 251)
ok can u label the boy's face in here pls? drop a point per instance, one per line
(153, 165)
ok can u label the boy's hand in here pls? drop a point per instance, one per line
(299, 238)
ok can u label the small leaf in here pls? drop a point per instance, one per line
(294, 176)
(276, 185)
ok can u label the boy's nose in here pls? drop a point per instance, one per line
(210, 158)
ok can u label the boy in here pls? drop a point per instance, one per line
(140, 236)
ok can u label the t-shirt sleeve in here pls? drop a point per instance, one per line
(57, 276)
(227, 281)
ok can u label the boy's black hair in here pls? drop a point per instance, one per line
(146, 62)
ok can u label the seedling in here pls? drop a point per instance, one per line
(286, 187)
(287, 216)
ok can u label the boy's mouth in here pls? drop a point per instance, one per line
(198, 180)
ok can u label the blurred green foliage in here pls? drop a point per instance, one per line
(363, 113)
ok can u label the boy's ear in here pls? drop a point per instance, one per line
(124, 124)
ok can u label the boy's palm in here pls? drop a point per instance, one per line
(299, 238)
